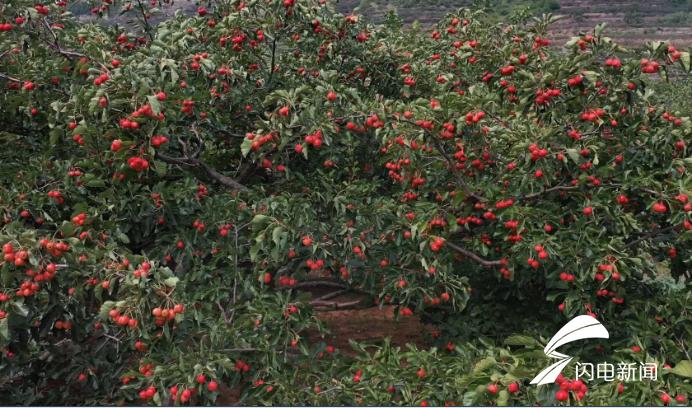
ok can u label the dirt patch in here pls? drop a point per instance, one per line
(228, 396)
(370, 325)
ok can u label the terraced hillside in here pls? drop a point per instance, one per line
(629, 22)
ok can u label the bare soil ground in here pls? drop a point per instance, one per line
(629, 22)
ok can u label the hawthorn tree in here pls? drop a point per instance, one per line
(169, 191)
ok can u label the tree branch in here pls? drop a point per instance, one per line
(334, 305)
(548, 190)
(649, 235)
(9, 78)
(271, 67)
(453, 169)
(472, 256)
(190, 160)
(70, 55)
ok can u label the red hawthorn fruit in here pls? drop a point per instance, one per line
(561, 395)
(492, 388)
(213, 386)
(201, 379)
(665, 398)
(513, 388)
(659, 207)
(421, 373)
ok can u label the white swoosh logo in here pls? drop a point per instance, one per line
(579, 328)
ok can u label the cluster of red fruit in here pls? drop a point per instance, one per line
(101, 79)
(567, 277)
(185, 395)
(315, 140)
(436, 244)
(138, 164)
(577, 387)
(63, 325)
(241, 366)
(47, 274)
(18, 259)
(122, 320)
(56, 196)
(444, 297)
(575, 80)
(198, 225)
(544, 96)
(283, 281)
(148, 393)
(315, 265)
(671, 118)
(79, 219)
(258, 141)
(147, 370)
(188, 107)
(158, 140)
(201, 192)
(162, 315)
(290, 310)
(55, 248)
(142, 271)
(27, 288)
(513, 388)
(649, 67)
(6, 27)
(613, 62)
(74, 173)
(78, 139)
(474, 117)
(225, 229)
(592, 115)
(448, 131)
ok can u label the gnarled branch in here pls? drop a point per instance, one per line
(472, 256)
(210, 172)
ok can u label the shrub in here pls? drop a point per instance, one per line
(167, 193)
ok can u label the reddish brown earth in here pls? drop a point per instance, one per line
(371, 325)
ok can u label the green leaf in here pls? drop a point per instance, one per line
(277, 234)
(245, 146)
(484, 364)
(122, 237)
(519, 340)
(106, 307)
(4, 329)
(574, 155)
(20, 309)
(503, 398)
(96, 183)
(259, 218)
(685, 61)
(171, 282)
(155, 104)
(683, 369)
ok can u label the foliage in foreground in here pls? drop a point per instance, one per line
(166, 194)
